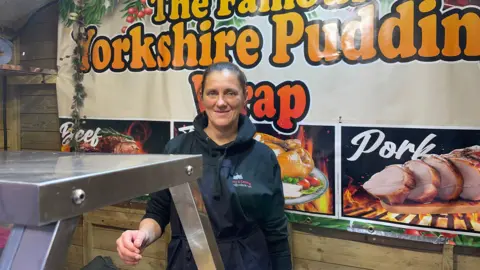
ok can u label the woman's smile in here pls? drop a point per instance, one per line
(222, 112)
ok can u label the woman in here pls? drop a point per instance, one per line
(248, 220)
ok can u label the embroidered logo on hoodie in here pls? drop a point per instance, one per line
(238, 181)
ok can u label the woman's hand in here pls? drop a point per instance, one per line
(130, 246)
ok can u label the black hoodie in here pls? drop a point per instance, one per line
(243, 195)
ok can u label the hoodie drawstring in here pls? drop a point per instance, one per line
(218, 184)
(218, 181)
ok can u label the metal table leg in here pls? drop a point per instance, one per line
(4, 111)
(70, 184)
(34, 248)
(196, 224)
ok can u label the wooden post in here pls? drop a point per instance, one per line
(13, 117)
(290, 240)
(447, 258)
(87, 240)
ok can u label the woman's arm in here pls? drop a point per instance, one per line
(275, 225)
(157, 215)
(151, 229)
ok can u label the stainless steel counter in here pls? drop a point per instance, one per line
(44, 193)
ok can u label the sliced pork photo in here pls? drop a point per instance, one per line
(451, 181)
(433, 178)
(472, 152)
(470, 170)
(427, 181)
(392, 185)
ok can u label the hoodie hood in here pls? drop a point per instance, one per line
(246, 131)
(216, 154)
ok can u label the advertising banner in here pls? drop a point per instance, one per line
(377, 98)
(424, 177)
(117, 137)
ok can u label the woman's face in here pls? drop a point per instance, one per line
(223, 98)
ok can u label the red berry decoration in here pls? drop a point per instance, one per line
(143, 1)
(130, 19)
(140, 14)
(124, 29)
(148, 11)
(131, 10)
(134, 10)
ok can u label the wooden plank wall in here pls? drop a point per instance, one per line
(39, 125)
(312, 248)
(38, 41)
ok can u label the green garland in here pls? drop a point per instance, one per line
(93, 11)
(79, 96)
(81, 13)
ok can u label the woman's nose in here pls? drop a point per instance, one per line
(221, 101)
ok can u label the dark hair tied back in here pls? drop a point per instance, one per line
(221, 66)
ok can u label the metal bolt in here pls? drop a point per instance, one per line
(78, 196)
(371, 229)
(189, 170)
(440, 240)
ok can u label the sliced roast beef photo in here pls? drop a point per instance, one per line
(392, 185)
(427, 181)
(470, 170)
(451, 181)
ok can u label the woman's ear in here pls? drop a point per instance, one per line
(200, 94)
(245, 92)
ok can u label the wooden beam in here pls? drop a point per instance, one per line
(87, 241)
(301, 264)
(38, 50)
(13, 118)
(33, 79)
(13, 113)
(6, 32)
(40, 140)
(40, 122)
(362, 255)
(290, 240)
(447, 257)
(16, 52)
(363, 238)
(39, 104)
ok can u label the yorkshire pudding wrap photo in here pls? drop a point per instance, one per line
(302, 181)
